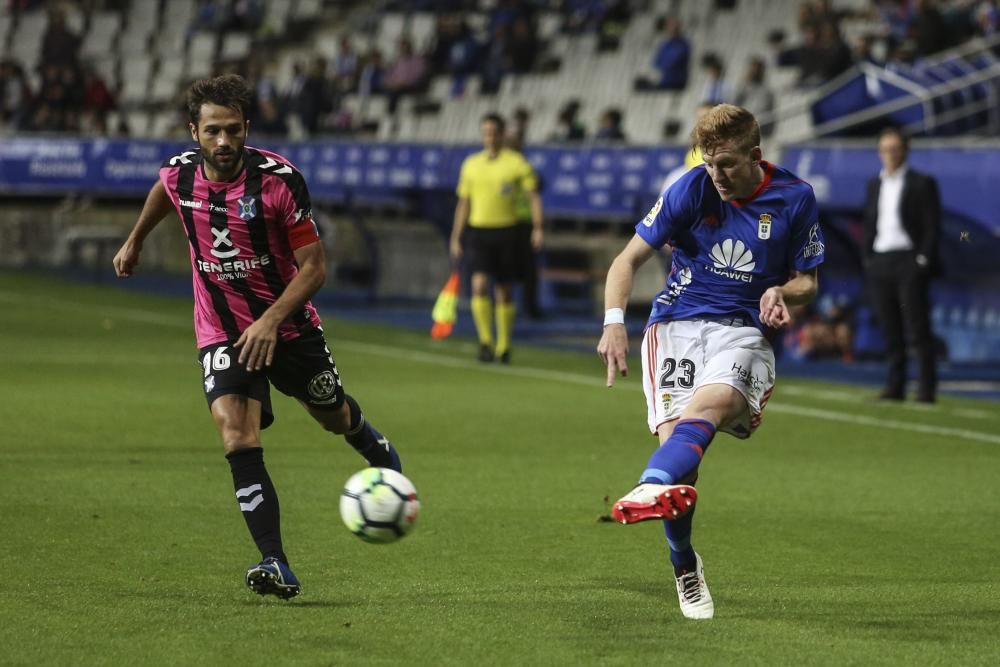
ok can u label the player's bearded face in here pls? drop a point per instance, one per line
(221, 133)
(735, 171)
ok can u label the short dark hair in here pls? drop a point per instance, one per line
(494, 117)
(899, 132)
(228, 90)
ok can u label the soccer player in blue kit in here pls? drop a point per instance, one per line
(746, 243)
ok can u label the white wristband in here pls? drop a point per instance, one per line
(614, 316)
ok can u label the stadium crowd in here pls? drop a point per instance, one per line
(67, 94)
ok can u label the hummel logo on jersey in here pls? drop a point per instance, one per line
(732, 260)
(190, 203)
(222, 239)
(182, 158)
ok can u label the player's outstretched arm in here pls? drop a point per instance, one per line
(157, 206)
(613, 347)
(258, 341)
(799, 290)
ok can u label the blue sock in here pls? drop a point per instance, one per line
(679, 540)
(680, 455)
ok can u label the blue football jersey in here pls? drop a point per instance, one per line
(727, 254)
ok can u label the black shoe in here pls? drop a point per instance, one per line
(485, 353)
(505, 358)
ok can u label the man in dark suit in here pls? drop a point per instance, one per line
(902, 222)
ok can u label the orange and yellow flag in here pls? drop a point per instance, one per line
(445, 308)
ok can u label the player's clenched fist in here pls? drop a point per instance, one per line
(126, 259)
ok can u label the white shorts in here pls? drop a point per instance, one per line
(679, 357)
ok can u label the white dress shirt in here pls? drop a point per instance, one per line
(890, 234)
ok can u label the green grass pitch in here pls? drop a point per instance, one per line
(844, 533)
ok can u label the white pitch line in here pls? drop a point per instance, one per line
(436, 359)
(880, 422)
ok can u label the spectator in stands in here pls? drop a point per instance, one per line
(486, 220)
(569, 129)
(496, 61)
(522, 46)
(97, 102)
(716, 90)
(211, 16)
(755, 96)
(59, 100)
(370, 81)
(315, 97)
(902, 223)
(820, 332)
(464, 57)
(15, 95)
(60, 46)
(612, 24)
(246, 15)
(406, 75)
(671, 59)
(447, 30)
(517, 136)
(260, 76)
(269, 121)
(346, 65)
(928, 29)
(506, 12)
(582, 16)
(609, 129)
(864, 50)
(986, 18)
(835, 53)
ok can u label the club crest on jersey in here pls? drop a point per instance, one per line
(651, 216)
(248, 207)
(764, 226)
(323, 386)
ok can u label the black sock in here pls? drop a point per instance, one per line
(365, 440)
(258, 500)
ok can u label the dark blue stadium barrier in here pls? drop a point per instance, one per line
(862, 92)
(593, 181)
(966, 176)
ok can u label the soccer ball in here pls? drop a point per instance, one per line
(379, 505)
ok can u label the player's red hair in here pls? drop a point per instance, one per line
(726, 124)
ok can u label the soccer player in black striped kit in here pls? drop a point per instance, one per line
(256, 261)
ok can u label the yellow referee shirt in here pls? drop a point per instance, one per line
(493, 186)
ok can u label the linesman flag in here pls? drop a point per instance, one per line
(445, 309)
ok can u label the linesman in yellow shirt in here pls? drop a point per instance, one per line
(489, 185)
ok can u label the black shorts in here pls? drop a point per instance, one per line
(302, 368)
(495, 251)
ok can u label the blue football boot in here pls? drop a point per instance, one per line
(272, 577)
(393, 462)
